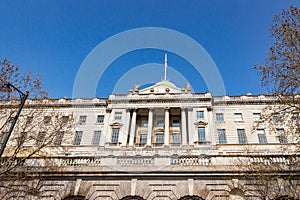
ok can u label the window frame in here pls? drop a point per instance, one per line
(96, 138)
(78, 138)
(222, 136)
(201, 134)
(242, 138)
(220, 117)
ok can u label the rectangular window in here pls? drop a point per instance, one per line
(160, 123)
(64, 119)
(115, 135)
(238, 117)
(29, 120)
(144, 123)
(40, 139)
(201, 134)
(256, 116)
(159, 139)
(295, 116)
(78, 138)
(219, 117)
(281, 136)
(261, 136)
(100, 119)
(118, 115)
(82, 119)
(176, 138)
(200, 114)
(143, 139)
(175, 122)
(96, 138)
(47, 120)
(242, 136)
(58, 138)
(276, 117)
(222, 136)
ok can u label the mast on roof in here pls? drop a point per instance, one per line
(166, 65)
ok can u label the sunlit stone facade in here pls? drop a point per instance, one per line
(159, 143)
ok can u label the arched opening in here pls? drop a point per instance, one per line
(132, 198)
(191, 198)
(74, 198)
(236, 194)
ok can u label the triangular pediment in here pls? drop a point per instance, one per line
(161, 88)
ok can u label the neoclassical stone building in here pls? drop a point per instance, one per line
(160, 143)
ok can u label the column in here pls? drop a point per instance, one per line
(150, 126)
(183, 127)
(211, 126)
(132, 129)
(190, 126)
(167, 126)
(126, 128)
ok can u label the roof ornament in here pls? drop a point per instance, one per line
(166, 65)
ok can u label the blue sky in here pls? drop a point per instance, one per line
(53, 37)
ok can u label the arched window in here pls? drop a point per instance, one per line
(132, 198)
(191, 198)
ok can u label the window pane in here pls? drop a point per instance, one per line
(201, 134)
(118, 115)
(200, 114)
(281, 136)
(256, 116)
(58, 138)
(82, 119)
(100, 119)
(242, 136)
(222, 136)
(143, 139)
(175, 122)
(219, 117)
(261, 136)
(144, 123)
(41, 138)
(176, 138)
(238, 117)
(159, 139)
(160, 123)
(115, 135)
(78, 137)
(96, 138)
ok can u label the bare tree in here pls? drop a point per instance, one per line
(39, 127)
(277, 177)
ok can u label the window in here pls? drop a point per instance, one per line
(58, 138)
(295, 116)
(281, 136)
(159, 139)
(222, 136)
(238, 117)
(201, 134)
(242, 136)
(115, 135)
(64, 119)
(82, 119)
(200, 114)
(100, 119)
(29, 120)
(118, 115)
(40, 139)
(143, 139)
(96, 138)
(144, 123)
(256, 116)
(276, 117)
(47, 120)
(175, 122)
(176, 138)
(261, 136)
(160, 123)
(219, 117)
(78, 138)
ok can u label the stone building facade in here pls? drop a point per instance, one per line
(160, 143)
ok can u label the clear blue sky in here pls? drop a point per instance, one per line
(53, 37)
